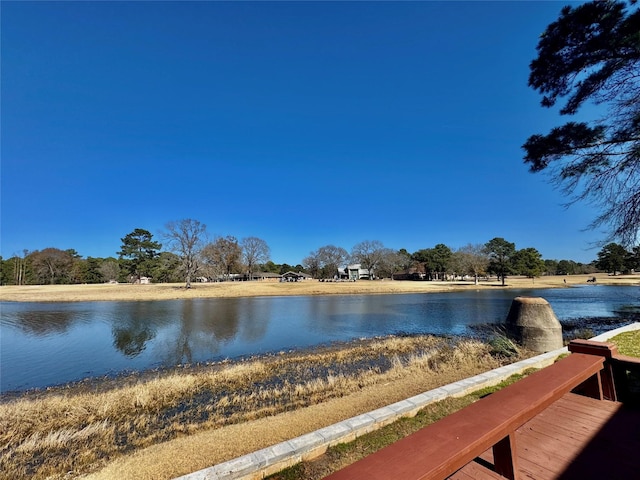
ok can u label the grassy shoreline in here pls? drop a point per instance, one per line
(70, 431)
(127, 292)
(165, 425)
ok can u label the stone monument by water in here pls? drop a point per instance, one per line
(532, 323)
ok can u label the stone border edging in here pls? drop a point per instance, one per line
(612, 333)
(270, 460)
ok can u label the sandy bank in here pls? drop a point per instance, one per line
(125, 292)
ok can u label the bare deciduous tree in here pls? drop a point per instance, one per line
(331, 258)
(471, 260)
(325, 261)
(185, 238)
(52, 265)
(110, 270)
(392, 262)
(368, 254)
(312, 263)
(254, 251)
(223, 255)
(20, 267)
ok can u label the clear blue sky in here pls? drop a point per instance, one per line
(301, 123)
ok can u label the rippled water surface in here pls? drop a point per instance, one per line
(45, 344)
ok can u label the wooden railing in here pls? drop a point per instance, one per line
(616, 374)
(439, 450)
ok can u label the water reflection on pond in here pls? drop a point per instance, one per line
(51, 343)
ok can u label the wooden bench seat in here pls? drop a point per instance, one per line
(439, 450)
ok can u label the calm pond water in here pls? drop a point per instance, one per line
(43, 344)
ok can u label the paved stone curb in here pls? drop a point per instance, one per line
(258, 465)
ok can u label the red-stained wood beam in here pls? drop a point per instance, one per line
(439, 450)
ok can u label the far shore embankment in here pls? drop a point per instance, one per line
(168, 291)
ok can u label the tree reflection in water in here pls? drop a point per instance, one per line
(204, 326)
(132, 340)
(135, 327)
(43, 323)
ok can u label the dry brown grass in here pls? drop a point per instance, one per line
(67, 432)
(73, 293)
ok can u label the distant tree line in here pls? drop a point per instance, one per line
(190, 255)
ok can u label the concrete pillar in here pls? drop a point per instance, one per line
(532, 323)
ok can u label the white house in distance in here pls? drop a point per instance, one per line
(354, 272)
